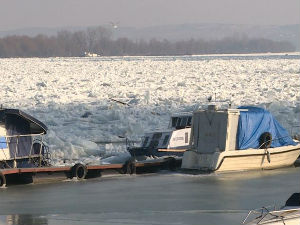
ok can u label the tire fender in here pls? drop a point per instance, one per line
(265, 140)
(2, 180)
(172, 164)
(79, 171)
(129, 167)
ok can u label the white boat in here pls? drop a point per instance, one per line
(287, 215)
(90, 54)
(172, 141)
(238, 139)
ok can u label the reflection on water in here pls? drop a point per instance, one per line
(167, 198)
(117, 218)
(23, 220)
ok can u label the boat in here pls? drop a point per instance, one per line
(245, 138)
(22, 140)
(173, 141)
(90, 54)
(289, 214)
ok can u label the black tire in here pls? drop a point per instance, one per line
(265, 140)
(172, 164)
(129, 167)
(79, 171)
(2, 180)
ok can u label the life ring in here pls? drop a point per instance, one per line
(2, 180)
(265, 140)
(79, 171)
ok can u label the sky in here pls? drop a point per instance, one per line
(19, 14)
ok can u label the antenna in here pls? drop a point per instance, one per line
(209, 98)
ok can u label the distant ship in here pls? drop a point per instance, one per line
(90, 54)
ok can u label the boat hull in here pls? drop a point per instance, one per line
(141, 151)
(236, 160)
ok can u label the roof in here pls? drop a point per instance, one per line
(36, 126)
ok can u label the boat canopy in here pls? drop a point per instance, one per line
(253, 122)
(19, 118)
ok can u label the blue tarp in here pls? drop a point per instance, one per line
(256, 121)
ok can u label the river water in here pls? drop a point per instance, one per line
(165, 198)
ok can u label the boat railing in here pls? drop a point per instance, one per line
(38, 153)
(259, 214)
(270, 214)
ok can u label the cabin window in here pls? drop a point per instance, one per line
(166, 140)
(145, 141)
(184, 122)
(186, 137)
(174, 121)
(155, 140)
(156, 136)
(178, 122)
(189, 122)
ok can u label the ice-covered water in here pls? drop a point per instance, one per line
(72, 96)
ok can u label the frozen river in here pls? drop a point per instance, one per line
(164, 198)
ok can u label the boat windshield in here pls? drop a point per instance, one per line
(145, 141)
(180, 122)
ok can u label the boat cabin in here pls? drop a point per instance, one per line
(21, 139)
(172, 141)
(215, 130)
(175, 137)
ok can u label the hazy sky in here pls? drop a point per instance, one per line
(15, 14)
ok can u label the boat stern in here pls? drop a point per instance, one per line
(200, 161)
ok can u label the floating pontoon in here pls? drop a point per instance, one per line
(24, 155)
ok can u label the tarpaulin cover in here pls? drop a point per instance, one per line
(256, 121)
(18, 146)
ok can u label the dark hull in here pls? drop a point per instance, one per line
(152, 152)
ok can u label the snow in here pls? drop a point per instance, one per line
(72, 96)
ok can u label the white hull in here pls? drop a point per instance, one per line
(236, 160)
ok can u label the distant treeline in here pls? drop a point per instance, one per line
(100, 41)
